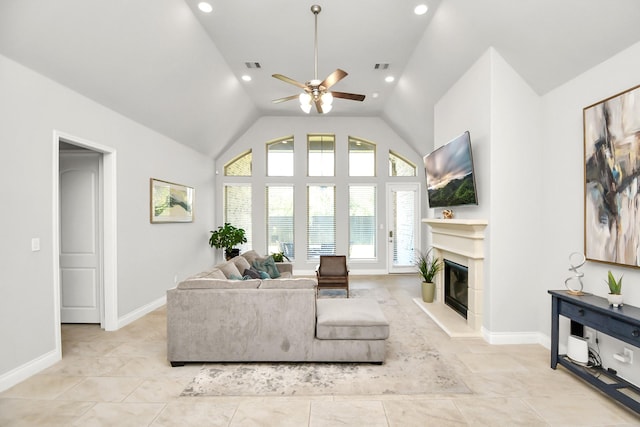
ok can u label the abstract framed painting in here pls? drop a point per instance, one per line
(171, 202)
(612, 179)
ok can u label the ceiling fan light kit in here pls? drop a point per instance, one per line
(316, 92)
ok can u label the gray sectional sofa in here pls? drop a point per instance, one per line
(214, 319)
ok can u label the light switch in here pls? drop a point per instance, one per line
(35, 244)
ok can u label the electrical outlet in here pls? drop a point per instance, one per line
(629, 355)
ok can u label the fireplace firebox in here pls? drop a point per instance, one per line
(456, 287)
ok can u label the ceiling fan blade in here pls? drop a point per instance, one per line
(318, 103)
(286, 98)
(334, 78)
(345, 95)
(289, 80)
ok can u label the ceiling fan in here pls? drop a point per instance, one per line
(316, 91)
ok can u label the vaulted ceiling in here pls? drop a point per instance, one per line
(169, 66)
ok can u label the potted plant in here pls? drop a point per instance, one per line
(615, 289)
(428, 266)
(279, 257)
(227, 236)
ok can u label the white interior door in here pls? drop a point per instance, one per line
(80, 248)
(403, 205)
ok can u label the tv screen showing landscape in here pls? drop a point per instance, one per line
(449, 170)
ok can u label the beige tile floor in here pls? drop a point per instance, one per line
(122, 378)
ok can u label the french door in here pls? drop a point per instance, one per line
(403, 228)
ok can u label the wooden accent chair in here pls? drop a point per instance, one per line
(332, 273)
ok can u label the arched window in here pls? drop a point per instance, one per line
(239, 166)
(399, 166)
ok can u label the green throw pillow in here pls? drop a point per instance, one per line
(267, 265)
(264, 275)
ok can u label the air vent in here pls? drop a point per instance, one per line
(381, 66)
(252, 65)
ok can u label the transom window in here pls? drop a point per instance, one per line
(399, 166)
(362, 157)
(239, 166)
(280, 157)
(321, 152)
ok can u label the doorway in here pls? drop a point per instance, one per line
(403, 207)
(106, 299)
(81, 289)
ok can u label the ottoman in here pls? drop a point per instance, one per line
(350, 319)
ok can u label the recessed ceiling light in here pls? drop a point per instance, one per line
(375, 95)
(205, 7)
(421, 9)
(246, 78)
(389, 79)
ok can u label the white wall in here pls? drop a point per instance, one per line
(371, 129)
(503, 116)
(149, 256)
(516, 191)
(563, 179)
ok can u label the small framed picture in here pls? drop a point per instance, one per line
(171, 202)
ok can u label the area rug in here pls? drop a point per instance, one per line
(412, 366)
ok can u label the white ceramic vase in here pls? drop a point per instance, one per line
(615, 300)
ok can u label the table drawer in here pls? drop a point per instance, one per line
(624, 331)
(582, 315)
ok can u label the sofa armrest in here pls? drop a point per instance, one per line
(284, 267)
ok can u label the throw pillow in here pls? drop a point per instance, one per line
(264, 275)
(250, 256)
(268, 265)
(229, 269)
(235, 277)
(254, 274)
(241, 263)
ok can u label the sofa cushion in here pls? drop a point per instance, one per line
(251, 256)
(350, 319)
(268, 265)
(214, 273)
(281, 283)
(205, 283)
(229, 269)
(241, 263)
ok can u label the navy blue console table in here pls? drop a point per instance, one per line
(594, 312)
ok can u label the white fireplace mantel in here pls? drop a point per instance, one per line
(461, 241)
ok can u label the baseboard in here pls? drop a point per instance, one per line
(21, 373)
(38, 364)
(140, 312)
(507, 338)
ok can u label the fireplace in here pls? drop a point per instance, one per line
(458, 308)
(456, 286)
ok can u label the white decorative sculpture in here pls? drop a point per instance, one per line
(576, 260)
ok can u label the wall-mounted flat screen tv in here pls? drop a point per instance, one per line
(450, 176)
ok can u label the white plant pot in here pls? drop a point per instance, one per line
(615, 300)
